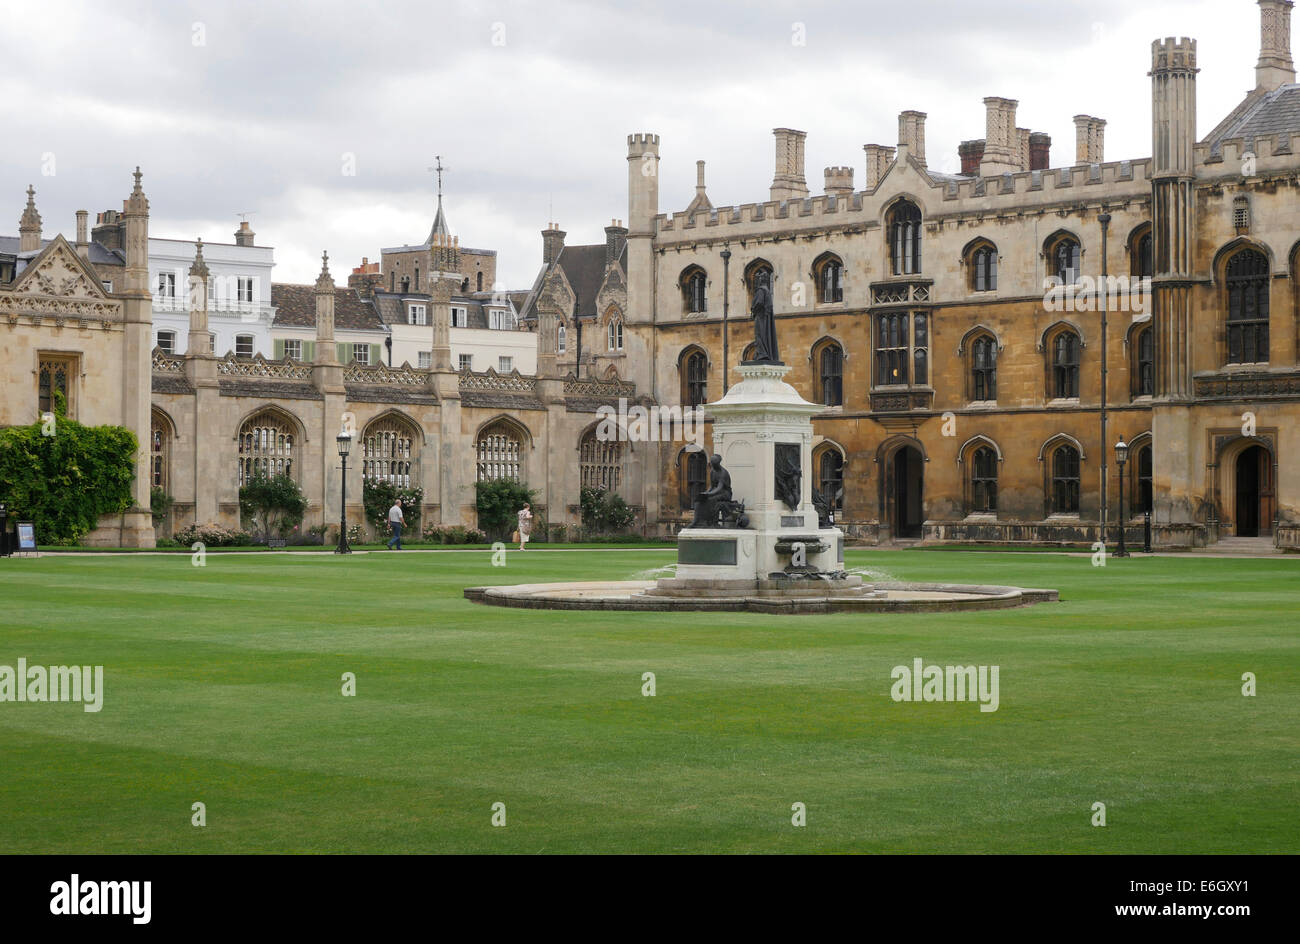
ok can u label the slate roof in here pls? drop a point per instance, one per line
(392, 306)
(99, 254)
(1275, 112)
(584, 267)
(296, 308)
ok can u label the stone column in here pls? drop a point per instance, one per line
(137, 366)
(208, 440)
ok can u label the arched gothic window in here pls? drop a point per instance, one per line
(905, 238)
(1065, 481)
(1064, 257)
(830, 477)
(829, 273)
(498, 450)
(1247, 282)
(1065, 365)
(159, 451)
(600, 463)
(693, 474)
(984, 368)
(984, 481)
(390, 452)
(1144, 376)
(829, 360)
(695, 379)
(694, 286)
(983, 262)
(267, 447)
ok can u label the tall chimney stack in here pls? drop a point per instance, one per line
(83, 241)
(788, 183)
(244, 235)
(879, 157)
(1089, 139)
(1275, 67)
(1040, 151)
(911, 134)
(552, 243)
(1001, 143)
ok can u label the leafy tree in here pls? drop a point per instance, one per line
(66, 481)
(272, 503)
(498, 502)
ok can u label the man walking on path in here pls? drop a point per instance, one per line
(395, 522)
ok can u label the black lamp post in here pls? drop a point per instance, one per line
(345, 446)
(1121, 456)
(1104, 292)
(4, 530)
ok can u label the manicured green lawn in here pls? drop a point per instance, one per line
(222, 685)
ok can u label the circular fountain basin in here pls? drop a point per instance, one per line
(763, 596)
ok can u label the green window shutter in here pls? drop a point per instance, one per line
(345, 353)
(277, 348)
(375, 356)
(309, 351)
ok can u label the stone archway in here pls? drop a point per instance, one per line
(902, 488)
(1253, 494)
(1247, 485)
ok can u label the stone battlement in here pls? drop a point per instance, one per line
(1172, 54)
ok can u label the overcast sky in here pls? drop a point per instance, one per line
(259, 107)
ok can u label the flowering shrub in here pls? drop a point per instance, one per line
(213, 535)
(454, 534)
(378, 496)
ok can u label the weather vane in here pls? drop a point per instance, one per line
(439, 169)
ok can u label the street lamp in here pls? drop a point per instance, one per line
(1121, 456)
(345, 446)
(1104, 291)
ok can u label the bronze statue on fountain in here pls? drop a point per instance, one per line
(765, 349)
(714, 508)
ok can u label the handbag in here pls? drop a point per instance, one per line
(514, 536)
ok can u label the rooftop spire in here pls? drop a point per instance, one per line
(29, 226)
(325, 282)
(199, 268)
(440, 220)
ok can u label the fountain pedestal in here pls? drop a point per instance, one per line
(761, 426)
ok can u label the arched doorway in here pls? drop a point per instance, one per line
(904, 481)
(1253, 510)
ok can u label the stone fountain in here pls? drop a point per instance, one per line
(757, 541)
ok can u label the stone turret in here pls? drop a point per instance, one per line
(29, 225)
(200, 340)
(441, 321)
(137, 347)
(326, 353)
(839, 181)
(642, 208)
